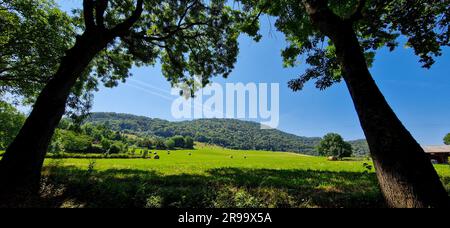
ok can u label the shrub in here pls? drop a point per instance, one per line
(188, 142)
(170, 144)
(160, 144)
(117, 148)
(106, 144)
(179, 141)
(74, 142)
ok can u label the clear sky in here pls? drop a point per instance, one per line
(421, 98)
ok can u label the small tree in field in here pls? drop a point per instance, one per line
(334, 145)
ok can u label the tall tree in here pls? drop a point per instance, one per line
(340, 39)
(190, 38)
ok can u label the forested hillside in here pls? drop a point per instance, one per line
(229, 133)
(360, 147)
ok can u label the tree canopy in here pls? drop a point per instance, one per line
(378, 24)
(33, 38)
(333, 144)
(192, 40)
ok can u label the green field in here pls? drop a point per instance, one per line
(213, 177)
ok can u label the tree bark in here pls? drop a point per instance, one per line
(405, 174)
(20, 168)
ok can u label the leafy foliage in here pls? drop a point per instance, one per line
(75, 142)
(11, 120)
(377, 23)
(360, 147)
(447, 139)
(188, 142)
(170, 144)
(33, 38)
(191, 39)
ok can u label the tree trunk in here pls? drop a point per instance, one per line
(405, 174)
(20, 168)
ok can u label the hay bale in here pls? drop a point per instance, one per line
(332, 158)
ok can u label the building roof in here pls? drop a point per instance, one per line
(437, 149)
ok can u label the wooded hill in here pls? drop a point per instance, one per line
(229, 133)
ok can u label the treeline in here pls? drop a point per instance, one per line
(360, 148)
(98, 138)
(113, 133)
(229, 133)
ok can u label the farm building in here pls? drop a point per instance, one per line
(439, 154)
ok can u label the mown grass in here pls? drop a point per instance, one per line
(213, 177)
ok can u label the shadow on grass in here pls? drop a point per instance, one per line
(222, 188)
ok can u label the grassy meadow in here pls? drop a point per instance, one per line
(213, 177)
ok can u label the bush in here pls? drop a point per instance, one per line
(74, 142)
(146, 143)
(160, 144)
(179, 141)
(117, 148)
(170, 144)
(106, 144)
(188, 142)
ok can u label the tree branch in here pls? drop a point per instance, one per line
(322, 16)
(88, 11)
(358, 13)
(123, 28)
(100, 8)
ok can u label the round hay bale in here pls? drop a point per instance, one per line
(156, 157)
(332, 158)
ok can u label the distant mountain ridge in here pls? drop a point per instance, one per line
(228, 133)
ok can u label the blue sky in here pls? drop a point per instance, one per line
(419, 97)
